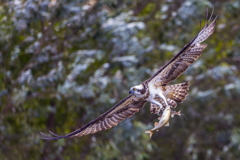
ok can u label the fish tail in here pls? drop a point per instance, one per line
(150, 132)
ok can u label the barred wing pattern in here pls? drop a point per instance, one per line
(174, 94)
(189, 54)
(124, 109)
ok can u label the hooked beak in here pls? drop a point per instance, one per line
(130, 92)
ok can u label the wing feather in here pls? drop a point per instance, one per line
(124, 109)
(179, 63)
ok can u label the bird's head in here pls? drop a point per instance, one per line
(137, 91)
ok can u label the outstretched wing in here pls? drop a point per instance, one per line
(124, 109)
(189, 54)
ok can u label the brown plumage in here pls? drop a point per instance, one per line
(177, 92)
(124, 109)
(180, 62)
(174, 94)
(131, 104)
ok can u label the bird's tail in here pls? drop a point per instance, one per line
(150, 132)
(177, 92)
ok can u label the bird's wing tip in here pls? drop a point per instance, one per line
(54, 137)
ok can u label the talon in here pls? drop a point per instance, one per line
(159, 113)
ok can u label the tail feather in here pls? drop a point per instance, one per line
(177, 92)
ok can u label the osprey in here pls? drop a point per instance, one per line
(154, 90)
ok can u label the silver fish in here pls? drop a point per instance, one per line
(163, 121)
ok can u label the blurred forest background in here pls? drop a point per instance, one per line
(65, 62)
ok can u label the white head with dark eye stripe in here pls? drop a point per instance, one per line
(137, 91)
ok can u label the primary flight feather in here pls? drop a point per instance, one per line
(154, 90)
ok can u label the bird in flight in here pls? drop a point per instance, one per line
(154, 90)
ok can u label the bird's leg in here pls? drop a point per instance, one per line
(163, 97)
(157, 103)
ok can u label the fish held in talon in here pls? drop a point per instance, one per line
(163, 121)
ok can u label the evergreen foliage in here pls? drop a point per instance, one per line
(65, 62)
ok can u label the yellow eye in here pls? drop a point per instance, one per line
(134, 89)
